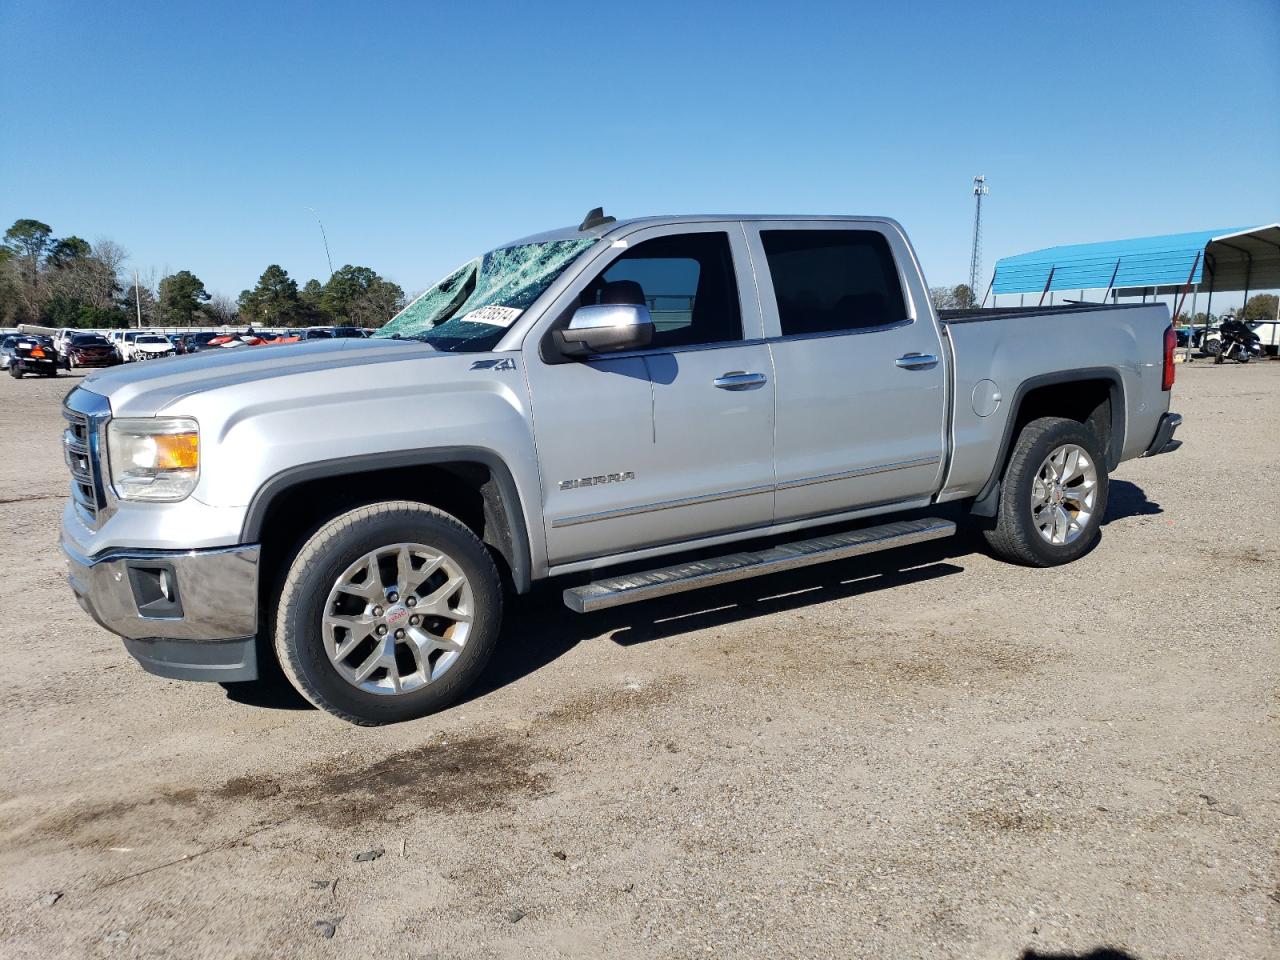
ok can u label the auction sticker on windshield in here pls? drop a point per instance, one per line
(495, 316)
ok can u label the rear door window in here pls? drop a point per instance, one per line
(832, 280)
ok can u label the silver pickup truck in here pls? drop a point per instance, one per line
(588, 399)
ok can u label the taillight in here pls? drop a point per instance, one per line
(1170, 345)
(37, 353)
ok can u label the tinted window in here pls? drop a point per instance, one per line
(687, 282)
(833, 280)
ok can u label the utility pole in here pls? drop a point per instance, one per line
(324, 238)
(975, 258)
(137, 298)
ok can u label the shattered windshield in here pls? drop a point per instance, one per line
(471, 308)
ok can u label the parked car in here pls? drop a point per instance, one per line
(195, 342)
(8, 347)
(698, 381)
(121, 340)
(26, 353)
(146, 346)
(89, 350)
(331, 333)
(236, 340)
(62, 339)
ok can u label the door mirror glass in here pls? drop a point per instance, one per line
(605, 328)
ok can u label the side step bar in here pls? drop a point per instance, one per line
(753, 563)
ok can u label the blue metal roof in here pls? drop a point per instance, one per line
(1142, 262)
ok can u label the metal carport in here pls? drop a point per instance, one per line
(1227, 260)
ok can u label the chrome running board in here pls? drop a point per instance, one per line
(752, 563)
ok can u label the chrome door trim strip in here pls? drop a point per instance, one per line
(860, 472)
(661, 505)
(740, 492)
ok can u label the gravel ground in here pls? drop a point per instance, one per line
(922, 753)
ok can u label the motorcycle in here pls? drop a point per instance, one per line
(1235, 341)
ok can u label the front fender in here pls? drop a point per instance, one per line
(260, 437)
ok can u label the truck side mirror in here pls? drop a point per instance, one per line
(605, 328)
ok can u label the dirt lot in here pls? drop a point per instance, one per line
(921, 754)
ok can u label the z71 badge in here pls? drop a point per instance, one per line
(596, 481)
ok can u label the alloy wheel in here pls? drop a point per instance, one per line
(1063, 494)
(398, 618)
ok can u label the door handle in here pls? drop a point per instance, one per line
(913, 361)
(738, 380)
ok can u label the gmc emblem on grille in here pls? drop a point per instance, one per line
(596, 481)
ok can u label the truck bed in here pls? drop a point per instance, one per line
(1000, 354)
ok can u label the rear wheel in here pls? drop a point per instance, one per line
(1053, 494)
(14, 371)
(389, 612)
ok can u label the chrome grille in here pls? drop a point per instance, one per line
(80, 447)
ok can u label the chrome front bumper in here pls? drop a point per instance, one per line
(185, 614)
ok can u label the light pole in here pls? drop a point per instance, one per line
(324, 238)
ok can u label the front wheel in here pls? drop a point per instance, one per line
(1053, 495)
(389, 612)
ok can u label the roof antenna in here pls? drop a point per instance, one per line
(595, 218)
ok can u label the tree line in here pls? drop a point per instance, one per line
(959, 297)
(68, 282)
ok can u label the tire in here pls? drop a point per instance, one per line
(1017, 535)
(14, 371)
(323, 569)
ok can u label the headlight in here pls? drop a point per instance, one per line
(154, 459)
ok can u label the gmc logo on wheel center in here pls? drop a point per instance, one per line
(596, 481)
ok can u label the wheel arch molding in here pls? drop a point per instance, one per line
(984, 505)
(501, 511)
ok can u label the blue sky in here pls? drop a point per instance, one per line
(197, 135)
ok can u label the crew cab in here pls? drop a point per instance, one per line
(585, 401)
